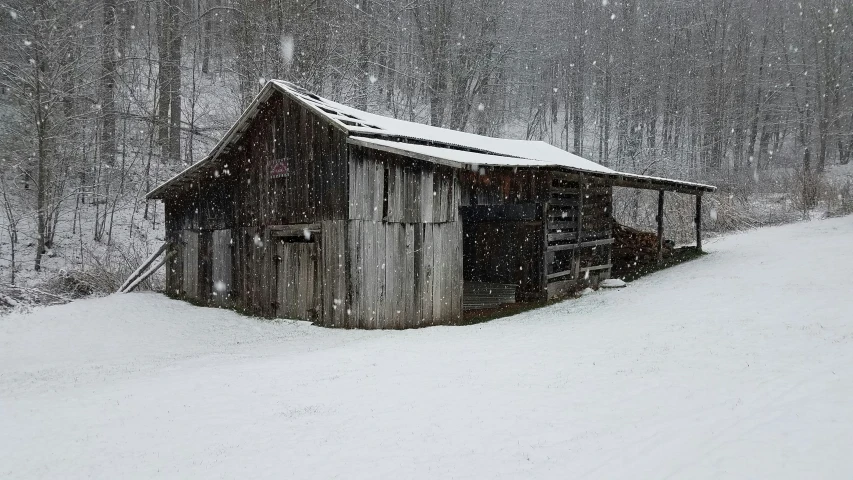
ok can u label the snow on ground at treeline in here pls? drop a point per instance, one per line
(736, 365)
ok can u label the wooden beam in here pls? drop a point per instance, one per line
(143, 269)
(294, 230)
(596, 267)
(546, 258)
(569, 246)
(698, 222)
(659, 219)
(576, 260)
(622, 180)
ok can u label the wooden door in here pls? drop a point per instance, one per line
(190, 264)
(297, 279)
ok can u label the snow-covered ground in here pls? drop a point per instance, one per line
(736, 365)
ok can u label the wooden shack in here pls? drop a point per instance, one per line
(309, 209)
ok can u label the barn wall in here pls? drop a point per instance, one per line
(198, 211)
(391, 188)
(289, 167)
(292, 168)
(404, 243)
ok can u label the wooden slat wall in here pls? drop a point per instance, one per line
(404, 245)
(388, 187)
(314, 187)
(404, 275)
(578, 232)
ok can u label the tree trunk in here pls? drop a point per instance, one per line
(108, 81)
(578, 78)
(175, 43)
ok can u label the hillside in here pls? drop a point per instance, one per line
(736, 365)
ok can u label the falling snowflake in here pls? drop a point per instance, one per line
(481, 107)
(613, 16)
(27, 43)
(220, 286)
(287, 48)
(258, 241)
(373, 79)
(262, 80)
(13, 14)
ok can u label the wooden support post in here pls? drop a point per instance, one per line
(576, 259)
(698, 222)
(543, 280)
(660, 225)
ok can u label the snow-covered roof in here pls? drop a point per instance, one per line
(429, 143)
(361, 123)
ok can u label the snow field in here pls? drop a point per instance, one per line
(735, 365)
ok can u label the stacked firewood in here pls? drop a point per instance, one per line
(634, 250)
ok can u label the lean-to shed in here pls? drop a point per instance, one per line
(310, 209)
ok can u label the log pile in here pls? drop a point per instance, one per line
(635, 251)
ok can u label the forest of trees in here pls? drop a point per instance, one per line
(102, 99)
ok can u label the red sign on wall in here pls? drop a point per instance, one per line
(279, 169)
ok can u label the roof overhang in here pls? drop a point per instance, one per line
(455, 158)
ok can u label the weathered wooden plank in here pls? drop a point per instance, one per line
(427, 292)
(355, 285)
(563, 225)
(378, 191)
(379, 266)
(408, 281)
(564, 273)
(418, 272)
(596, 267)
(576, 261)
(457, 274)
(222, 267)
(428, 194)
(190, 264)
(414, 187)
(698, 222)
(437, 274)
(569, 246)
(659, 219)
(333, 285)
(402, 281)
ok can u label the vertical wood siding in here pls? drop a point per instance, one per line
(404, 243)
